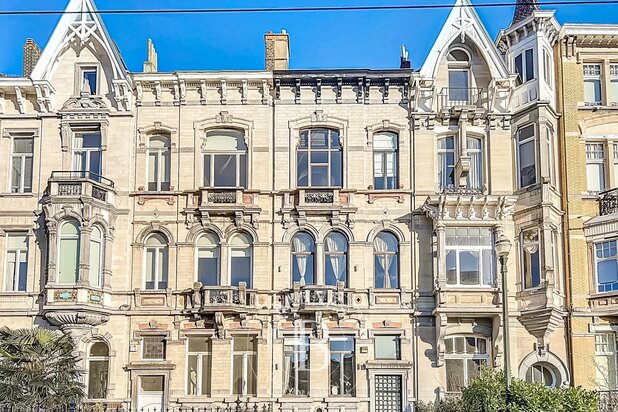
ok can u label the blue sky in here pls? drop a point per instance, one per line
(343, 39)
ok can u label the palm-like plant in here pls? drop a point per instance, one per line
(38, 369)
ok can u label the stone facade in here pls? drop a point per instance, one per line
(306, 238)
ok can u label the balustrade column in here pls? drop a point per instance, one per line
(52, 253)
(440, 254)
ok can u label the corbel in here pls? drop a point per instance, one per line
(203, 92)
(176, 93)
(183, 92)
(277, 88)
(339, 89)
(387, 83)
(359, 91)
(318, 91)
(265, 91)
(40, 98)
(244, 90)
(140, 93)
(20, 100)
(223, 91)
(367, 89)
(297, 92)
(157, 86)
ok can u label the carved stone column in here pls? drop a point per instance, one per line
(84, 255)
(319, 263)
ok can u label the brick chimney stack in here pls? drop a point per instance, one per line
(277, 50)
(32, 52)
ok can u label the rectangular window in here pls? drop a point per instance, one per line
(605, 361)
(342, 366)
(16, 272)
(549, 147)
(153, 348)
(469, 257)
(89, 80)
(606, 264)
(385, 161)
(199, 357)
(244, 366)
(526, 156)
(21, 164)
(595, 167)
(464, 356)
(613, 76)
(446, 162)
(87, 153)
(387, 347)
(159, 164)
(296, 365)
(524, 66)
(531, 258)
(319, 159)
(458, 83)
(547, 66)
(592, 84)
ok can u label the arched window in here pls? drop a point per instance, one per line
(446, 162)
(96, 256)
(544, 374)
(319, 158)
(336, 259)
(464, 356)
(475, 151)
(459, 76)
(68, 255)
(385, 168)
(225, 158)
(98, 370)
(208, 254)
(159, 163)
(385, 252)
(241, 267)
(303, 252)
(157, 256)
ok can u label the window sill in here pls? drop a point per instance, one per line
(531, 291)
(597, 295)
(471, 288)
(594, 108)
(8, 194)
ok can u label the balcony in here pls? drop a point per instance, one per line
(608, 202)
(463, 190)
(458, 99)
(312, 298)
(210, 299)
(80, 184)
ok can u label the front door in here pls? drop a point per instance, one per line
(150, 394)
(388, 393)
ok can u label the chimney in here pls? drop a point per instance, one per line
(32, 52)
(277, 50)
(151, 64)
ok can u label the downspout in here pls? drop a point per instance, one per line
(566, 256)
(272, 248)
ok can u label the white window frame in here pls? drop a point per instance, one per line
(198, 248)
(547, 67)
(295, 353)
(593, 149)
(443, 152)
(549, 146)
(593, 72)
(342, 373)
(384, 155)
(59, 251)
(245, 366)
(539, 243)
(519, 144)
(162, 171)
(91, 358)
(330, 149)
(232, 248)
(466, 356)
(238, 154)
(200, 366)
(18, 254)
(596, 260)
(84, 68)
(77, 166)
(101, 243)
(22, 160)
(459, 248)
(156, 275)
(606, 344)
(543, 366)
(613, 79)
(525, 77)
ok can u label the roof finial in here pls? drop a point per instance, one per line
(524, 9)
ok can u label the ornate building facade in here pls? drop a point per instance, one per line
(311, 239)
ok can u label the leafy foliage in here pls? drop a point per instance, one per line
(487, 393)
(38, 368)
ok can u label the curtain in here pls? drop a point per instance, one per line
(287, 367)
(337, 261)
(380, 248)
(301, 259)
(475, 150)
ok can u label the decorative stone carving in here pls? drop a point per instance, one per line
(222, 197)
(65, 319)
(84, 101)
(319, 197)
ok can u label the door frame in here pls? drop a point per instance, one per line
(403, 373)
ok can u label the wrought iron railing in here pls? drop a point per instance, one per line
(450, 97)
(608, 202)
(608, 401)
(463, 190)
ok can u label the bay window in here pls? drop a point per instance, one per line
(208, 255)
(592, 85)
(96, 256)
(606, 265)
(244, 366)
(241, 262)
(319, 158)
(87, 152)
(159, 163)
(68, 252)
(448, 156)
(446, 162)
(303, 258)
(526, 156)
(524, 66)
(386, 261)
(531, 258)
(225, 159)
(469, 256)
(16, 273)
(385, 161)
(199, 358)
(464, 356)
(342, 366)
(156, 257)
(296, 365)
(336, 259)
(605, 358)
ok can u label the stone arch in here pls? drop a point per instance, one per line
(197, 230)
(289, 234)
(140, 239)
(326, 230)
(243, 228)
(548, 358)
(386, 227)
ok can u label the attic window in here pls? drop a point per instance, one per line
(88, 80)
(458, 55)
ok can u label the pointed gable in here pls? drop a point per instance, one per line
(79, 24)
(463, 24)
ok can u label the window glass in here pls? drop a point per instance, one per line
(526, 143)
(319, 159)
(244, 366)
(464, 357)
(342, 366)
(225, 158)
(87, 153)
(241, 266)
(208, 253)
(446, 162)
(529, 64)
(68, 253)
(296, 365)
(385, 161)
(542, 373)
(458, 83)
(387, 347)
(303, 253)
(21, 164)
(335, 259)
(469, 256)
(199, 358)
(531, 258)
(96, 257)
(98, 371)
(385, 250)
(606, 261)
(475, 151)
(159, 163)
(595, 167)
(605, 361)
(156, 262)
(16, 272)
(153, 348)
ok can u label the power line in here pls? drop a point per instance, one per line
(307, 9)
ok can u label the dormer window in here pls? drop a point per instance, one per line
(458, 75)
(88, 79)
